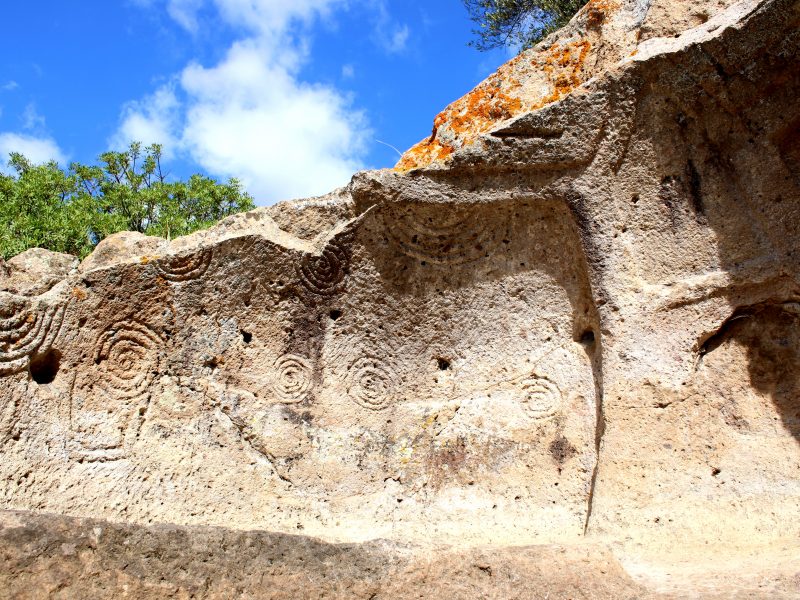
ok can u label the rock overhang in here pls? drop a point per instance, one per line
(508, 347)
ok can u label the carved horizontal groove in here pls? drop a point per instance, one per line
(529, 134)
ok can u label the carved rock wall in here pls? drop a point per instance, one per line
(578, 326)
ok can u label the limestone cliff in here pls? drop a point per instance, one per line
(567, 321)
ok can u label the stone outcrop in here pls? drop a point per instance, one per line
(35, 271)
(556, 350)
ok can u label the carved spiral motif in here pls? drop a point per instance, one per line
(542, 397)
(24, 330)
(372, 383)
(323, 274)
(438, 234)
(185, 267)
(127, 354)
(292, 378)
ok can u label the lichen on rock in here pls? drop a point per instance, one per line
(555, 351)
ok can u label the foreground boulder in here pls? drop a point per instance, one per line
(562, 336)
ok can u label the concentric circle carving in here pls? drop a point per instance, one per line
(292, 378)
(127, 355)
(24, 330)
(324, 273)
(371, 383)
(542, 398)
(440, 234)
(185, 267)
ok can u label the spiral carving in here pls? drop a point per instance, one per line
(128, 355)
(24, 330)
(447, 235)
(323, 274)
(371, 383)
(185, 267)
(292, 378)
(542, 397)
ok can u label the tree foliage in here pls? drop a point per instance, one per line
(72, 210)
(521, 23)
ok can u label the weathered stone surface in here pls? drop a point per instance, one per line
(576, 325)
(46, 557)
(35, 271)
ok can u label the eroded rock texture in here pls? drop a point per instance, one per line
(570, 319)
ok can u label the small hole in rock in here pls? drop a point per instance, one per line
(443, 363)
(335, 315)
(247, 337)
(715, 471)
(44, 367)
(587, 337)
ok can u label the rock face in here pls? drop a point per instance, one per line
(35, 271)
(570, 319)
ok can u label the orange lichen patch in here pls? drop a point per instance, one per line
(485, 107)
(597, 11)
(468, 117)
(564, 66)
(424, 153)
(79, 294)
(498, 99)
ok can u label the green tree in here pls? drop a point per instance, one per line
(520, 23)
(72, 210)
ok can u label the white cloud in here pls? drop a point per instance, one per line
(9, 86)
(282, 137)
(31, 119)
(397, 42)
(348, 71)
(271, 17)
(251, 116)
(36, 149)
(152, 120)
(184, 12)
(386, 33)
(265, 17)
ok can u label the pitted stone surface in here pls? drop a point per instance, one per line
(578, 325)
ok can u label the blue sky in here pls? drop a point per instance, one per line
(290, 96)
